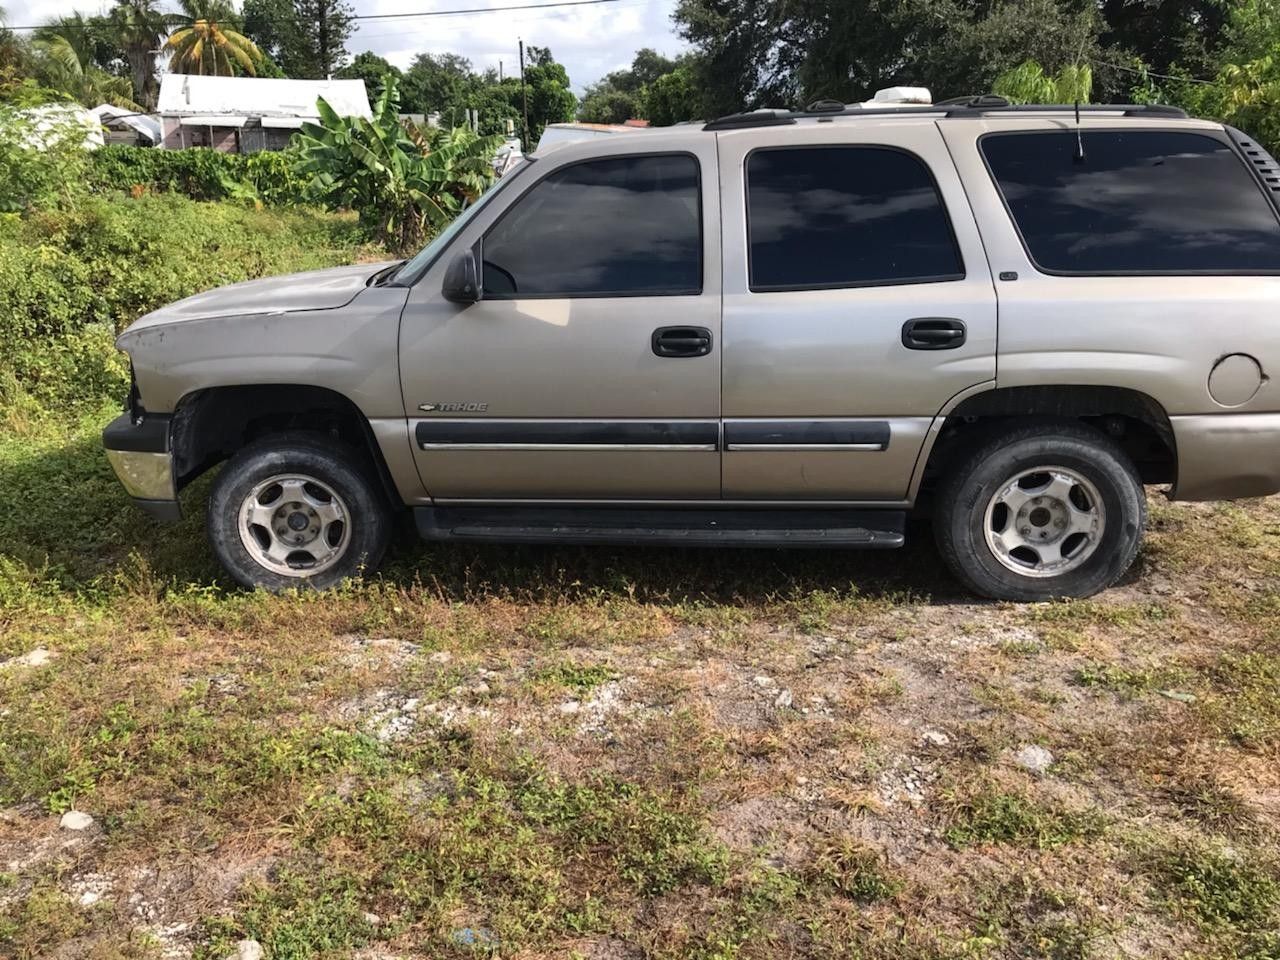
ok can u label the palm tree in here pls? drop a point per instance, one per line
(210, 44)
(66, 50)
(140, 29)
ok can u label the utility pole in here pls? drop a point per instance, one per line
(323, 9)
(524, 93)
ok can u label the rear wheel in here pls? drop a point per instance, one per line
(296, 512)
(1052, 510)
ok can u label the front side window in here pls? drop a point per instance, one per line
(621, 226)
(845, 216)
(1137, 202)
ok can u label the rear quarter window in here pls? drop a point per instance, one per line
(1139, 202)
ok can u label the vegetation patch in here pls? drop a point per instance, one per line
(990, 816)
(1222, 888)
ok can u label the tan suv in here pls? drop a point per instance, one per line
(777, 329)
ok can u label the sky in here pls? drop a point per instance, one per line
(589, 40)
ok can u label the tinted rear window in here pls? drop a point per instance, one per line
(845, 217)
(1144, 202)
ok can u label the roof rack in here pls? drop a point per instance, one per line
(754, 118)
(958, 107)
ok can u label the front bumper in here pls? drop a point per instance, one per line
(1226, 456)
(139, 452)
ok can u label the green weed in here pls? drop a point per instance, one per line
(987, 816)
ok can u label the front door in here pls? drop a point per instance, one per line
(590, 368)
(857, 303)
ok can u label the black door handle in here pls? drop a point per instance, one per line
(681, 341)
(933, 333)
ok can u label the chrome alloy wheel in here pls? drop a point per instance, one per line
(294, 525)
(1044, 522)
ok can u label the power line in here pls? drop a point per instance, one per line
(389, 16)
(1148, 73)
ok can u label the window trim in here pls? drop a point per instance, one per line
(845, 285)
(1050, 272)
(607, 294)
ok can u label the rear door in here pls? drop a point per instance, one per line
(857, 304)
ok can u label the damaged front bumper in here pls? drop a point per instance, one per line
(139, 451)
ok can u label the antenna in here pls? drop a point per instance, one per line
(1079, 157)
(1078, 83)
(524, 93)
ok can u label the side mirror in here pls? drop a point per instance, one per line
(460, 281)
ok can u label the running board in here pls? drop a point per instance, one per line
(847, 529)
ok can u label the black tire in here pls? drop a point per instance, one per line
(340, 468)
(968, 489)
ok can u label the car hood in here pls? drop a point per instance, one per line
(316, 290)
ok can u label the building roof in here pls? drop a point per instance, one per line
(187, 95)
(149, 127)
(557, 134)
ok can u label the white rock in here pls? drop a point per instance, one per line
(935, 738)
(89, 898)
(570, 706)
(440, 656)
(76, 820)
(1034, 758)
(783, 700)
(372, 919)
(36, 658)
(764, 683)
(247, 950)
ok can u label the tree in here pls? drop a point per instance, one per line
(1162, 33)
(622, 95)
(603, 104)
(438, 83)
(648, 65)
(319, 43)
(401, 184)
(74, 59)
(307, 38)
(210, 43)
(757, 53)
(1028, 83)
(672, 98)
(550, 99)
(140, 29)
(370, 68)
(270, 24)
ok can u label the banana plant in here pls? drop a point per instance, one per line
(402, 187)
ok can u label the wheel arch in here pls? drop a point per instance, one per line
(212, 423)
(1134, 420)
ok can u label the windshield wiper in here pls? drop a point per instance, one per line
(386, 274)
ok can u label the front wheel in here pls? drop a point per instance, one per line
(1041, 512)
(297, 511)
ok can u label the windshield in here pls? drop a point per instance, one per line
(415, 268)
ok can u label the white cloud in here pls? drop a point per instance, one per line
(589, 40)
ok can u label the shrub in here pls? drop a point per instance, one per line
(402, 185)
(70, 278)
(200, 173)
(39, 164)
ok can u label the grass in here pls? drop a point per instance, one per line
(389, 768)
(1224, 890)
(989, 816)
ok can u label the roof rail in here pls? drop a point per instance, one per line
(984, 100)
(984, 105)
(958, 107)
(753, 118)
